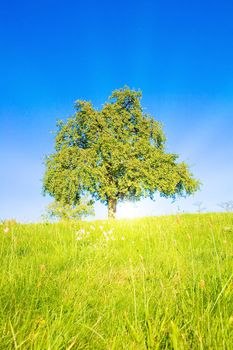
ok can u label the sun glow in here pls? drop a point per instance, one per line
(127, 210)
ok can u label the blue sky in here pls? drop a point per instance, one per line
(179, 53)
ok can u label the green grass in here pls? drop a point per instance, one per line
(163, 283)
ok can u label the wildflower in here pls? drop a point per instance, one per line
(202, 284)
(113, 238)
(6, 229)
(81, 234)
(92, 227)
(107, 233)
(101, 227)
(122, 238)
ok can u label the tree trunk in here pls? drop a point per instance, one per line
(112, 208)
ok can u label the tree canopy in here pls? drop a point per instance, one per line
(114, 154)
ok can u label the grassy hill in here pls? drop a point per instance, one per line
(152, 283)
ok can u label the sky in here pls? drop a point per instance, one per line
(179, 53)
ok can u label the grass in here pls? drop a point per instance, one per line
(153, 283)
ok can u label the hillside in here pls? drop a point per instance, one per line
(152, 283)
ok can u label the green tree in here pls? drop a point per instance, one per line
(66, 212)
(114, 154)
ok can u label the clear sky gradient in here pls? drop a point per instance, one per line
(179, 53)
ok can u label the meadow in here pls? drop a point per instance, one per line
(152, 283)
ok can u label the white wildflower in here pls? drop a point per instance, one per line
(107, 233)
(6, 229)
(122, 238)
(81, 234)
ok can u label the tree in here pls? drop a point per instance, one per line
(114, 154)
(67, 212)
(227, 206)
(199, 206)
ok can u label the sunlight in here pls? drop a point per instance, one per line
(127, 210)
